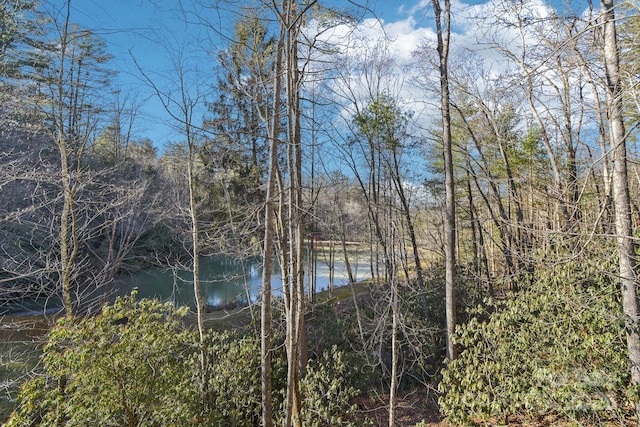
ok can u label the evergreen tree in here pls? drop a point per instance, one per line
(238, 147)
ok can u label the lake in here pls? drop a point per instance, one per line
(228, 281)
(225, 282)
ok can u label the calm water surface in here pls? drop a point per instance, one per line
(225, 281)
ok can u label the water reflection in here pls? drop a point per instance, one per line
(224, 281)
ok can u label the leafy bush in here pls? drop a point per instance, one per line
(333, 326)
(129, 366)
(135, 364)
(557, 347)
(234, 380)
(326, 392)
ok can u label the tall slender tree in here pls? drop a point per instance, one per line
(290, 17)
(621, 200)
(273, 121)
(73, 83)
(443, 33)
(182, 102)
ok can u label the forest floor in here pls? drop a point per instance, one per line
(411, 409)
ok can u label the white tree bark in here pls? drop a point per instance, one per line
(443, 31)
(620, 190)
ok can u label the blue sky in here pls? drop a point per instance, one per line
(148, 30)
(137, 29)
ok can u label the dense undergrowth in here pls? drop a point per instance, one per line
(136, 364)
(555, 348)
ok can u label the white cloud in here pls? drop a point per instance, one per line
(378, 56)
(405, 37)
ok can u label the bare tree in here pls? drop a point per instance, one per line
(292, 18)
(269, 234)
(182, 103)
(443, 33)
(74, 118)
(620, 189)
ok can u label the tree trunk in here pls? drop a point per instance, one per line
(621, 200)
(68, 229)
(443, 35)
(195, 241)
(296, 328)
(268, 244)
(397, 181)
(393, 388)
(68, 233)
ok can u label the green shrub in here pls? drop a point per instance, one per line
(129, 366)
(234, 380)
(135, 364)
(326, 393)
(557, 347)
